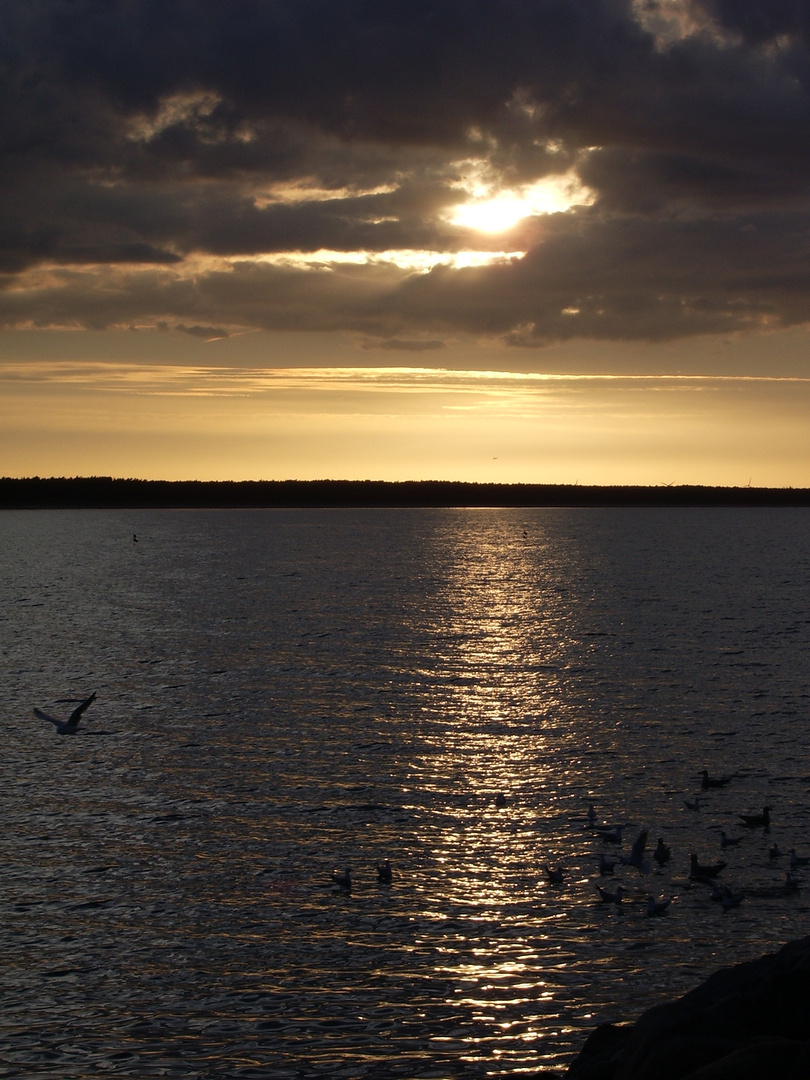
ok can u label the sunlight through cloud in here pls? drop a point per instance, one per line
(492, 209)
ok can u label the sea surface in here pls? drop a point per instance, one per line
(283, 693)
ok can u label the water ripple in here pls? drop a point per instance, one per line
(274, 703)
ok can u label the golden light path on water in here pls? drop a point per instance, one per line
(501, 688)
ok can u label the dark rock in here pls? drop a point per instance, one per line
(764, 1057)
(750, 1020)
(600, 1053)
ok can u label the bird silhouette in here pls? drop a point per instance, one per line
(713, 781)
(342, 880)
(657, 907)
(757, 821)
(662, 853)
(605, 866)
(69, 726)
(611, 834)
(731, 899)
(728, 841)
(703, 871)
(636, 856)
(609, 897)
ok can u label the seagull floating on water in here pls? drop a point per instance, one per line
(344, 880)
(605, 866)
(611, 834)
(591, 815)
(554, 874)
(728, 841)
(757, 821)
(662, 853)
(384, 872)
(797, 860)
(774, 852)
(731, 899)
(500, 799)
(657, 907)
(791, 883)
(692, 804)
(69, 726)
(609, 897)
(702, 872)
(713, 781)
(726, 896)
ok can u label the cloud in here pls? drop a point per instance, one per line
(154, 156)
(402, 345)
(207, 333)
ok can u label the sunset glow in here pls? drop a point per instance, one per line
(190, 215)
(497, 211)
(493, 426)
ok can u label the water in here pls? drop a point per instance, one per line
(285, 692)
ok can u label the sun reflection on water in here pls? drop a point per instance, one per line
(491, 763)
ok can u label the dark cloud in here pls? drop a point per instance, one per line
(590, 277)
(402, 345)
(760, 21)
(207, 333)
(140, 138)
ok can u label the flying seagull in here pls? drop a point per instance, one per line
(636, 856)
(68, 727)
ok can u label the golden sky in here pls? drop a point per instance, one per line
(529, 242)
(179, 420)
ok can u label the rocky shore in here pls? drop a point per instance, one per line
(747, 1022)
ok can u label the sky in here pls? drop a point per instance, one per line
(551, 241)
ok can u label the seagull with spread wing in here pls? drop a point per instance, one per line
(69, 726)
(636, 856)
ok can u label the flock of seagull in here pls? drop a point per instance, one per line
(705, 873)
(343, 878)
(699, 872)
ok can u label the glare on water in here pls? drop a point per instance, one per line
(284, 693)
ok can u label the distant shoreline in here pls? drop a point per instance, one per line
(106, 492)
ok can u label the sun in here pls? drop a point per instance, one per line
(492, 215)
(491, 210)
